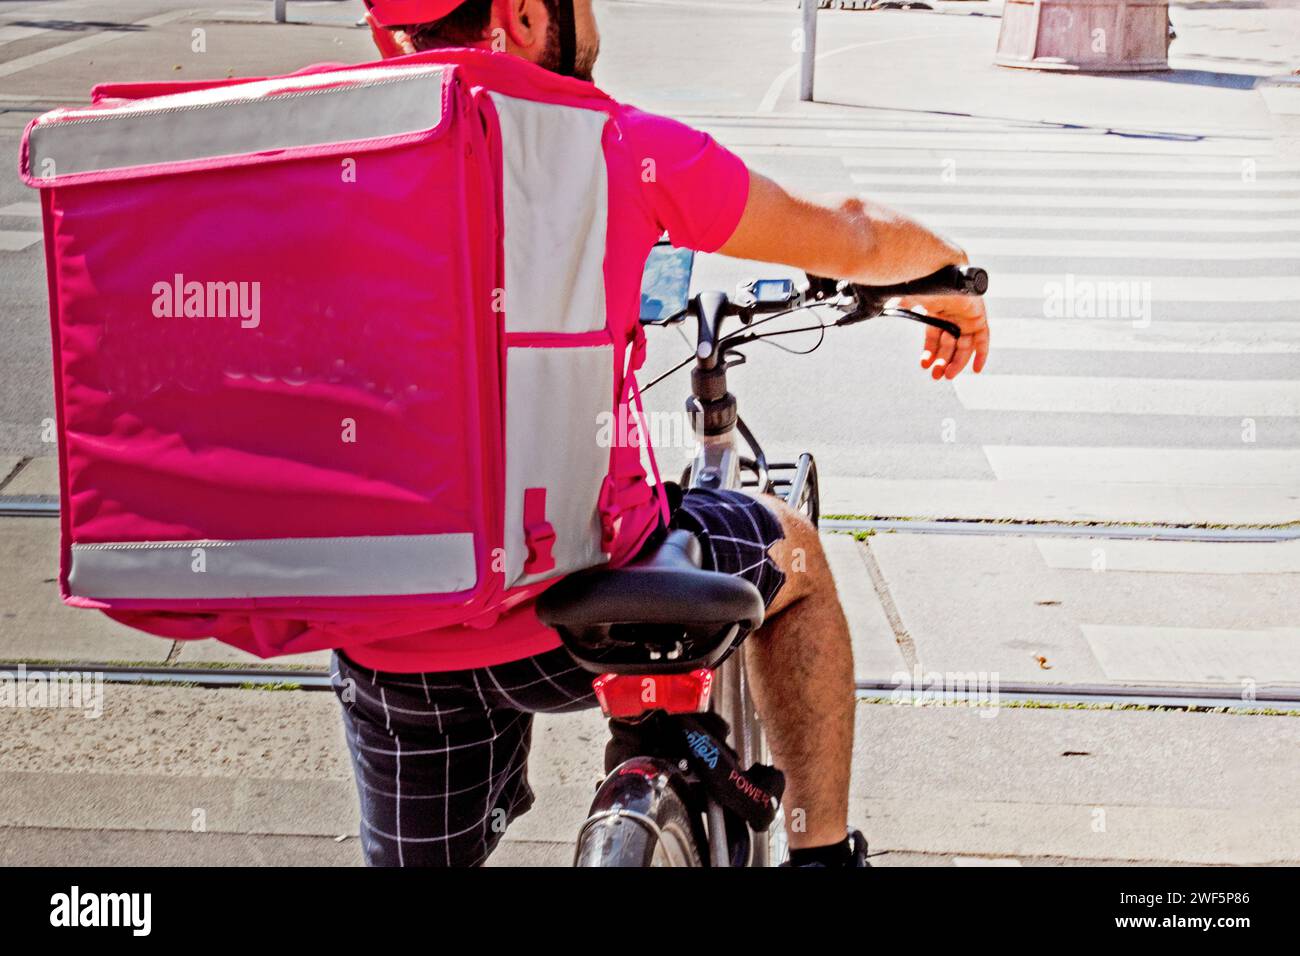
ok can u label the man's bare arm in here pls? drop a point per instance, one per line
(855, 239)
(842, 237)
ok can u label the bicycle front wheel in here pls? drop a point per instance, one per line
(639, 819)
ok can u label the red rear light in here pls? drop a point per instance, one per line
(630, 695)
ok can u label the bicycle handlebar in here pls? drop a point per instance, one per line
(867, 302)
(858, 302)
(950, 280)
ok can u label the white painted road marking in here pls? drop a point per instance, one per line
(768, 102)
(1069, 285)
(1106, 335)
(1084, 199)
(1238, 469)
(1093, 196)
(1083, 249)
(14, 241)
(10, 34)
(966, 179)
(1128, 396)
(1049, 141)
(42, 57)
(1034, 165)
(1038, 221)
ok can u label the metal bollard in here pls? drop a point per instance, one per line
(808, 58)
(281, 13)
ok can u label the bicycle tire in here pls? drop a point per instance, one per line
(638, 819)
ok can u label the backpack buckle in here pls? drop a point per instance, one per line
(539, 535)
(608, 515)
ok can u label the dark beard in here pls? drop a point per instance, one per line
(584, 59)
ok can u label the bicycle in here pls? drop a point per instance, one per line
(657, 631)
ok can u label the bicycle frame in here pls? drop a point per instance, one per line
(719, 464)
(638, 793)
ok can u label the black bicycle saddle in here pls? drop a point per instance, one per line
(667, 586)
(662, 607)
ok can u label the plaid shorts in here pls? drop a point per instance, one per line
(441, 759)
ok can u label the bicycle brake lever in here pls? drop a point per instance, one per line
(943, 325)
(820, 289)
(863, 312)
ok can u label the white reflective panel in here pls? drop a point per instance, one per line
(555, 193)
(275, 567)
(558, 401)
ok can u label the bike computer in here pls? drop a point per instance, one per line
(666, 284)
(771, 291)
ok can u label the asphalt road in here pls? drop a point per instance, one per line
(1047, 180)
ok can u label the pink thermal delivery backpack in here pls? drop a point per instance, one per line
(330, 349)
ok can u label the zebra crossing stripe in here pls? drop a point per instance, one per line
(41, 57)
(1065, 143)
(12, 241)
(937, 185)
(11, 33)
(1120, 294)
(1083, 196)
(1061, 165)
(1130, 396)
(1083, 249)
(1105, 335)
(1053, 202)
(1043, 219)
(1233, 469)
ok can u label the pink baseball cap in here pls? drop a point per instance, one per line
(394, 13)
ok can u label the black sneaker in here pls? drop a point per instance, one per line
(859, 844)
(857, 853)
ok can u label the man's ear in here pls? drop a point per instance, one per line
(513, 17)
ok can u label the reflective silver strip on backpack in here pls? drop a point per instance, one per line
(555, 194)
(275, 567)
(240, 119)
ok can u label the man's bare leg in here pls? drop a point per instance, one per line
(800, 664)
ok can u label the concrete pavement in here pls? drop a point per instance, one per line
(238, 777)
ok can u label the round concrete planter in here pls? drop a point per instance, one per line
(1091, 35)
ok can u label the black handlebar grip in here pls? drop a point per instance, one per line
(976, 280)
(950, 280)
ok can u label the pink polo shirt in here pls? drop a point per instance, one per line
(663, 176)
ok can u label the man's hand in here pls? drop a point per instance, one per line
(944, 357)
